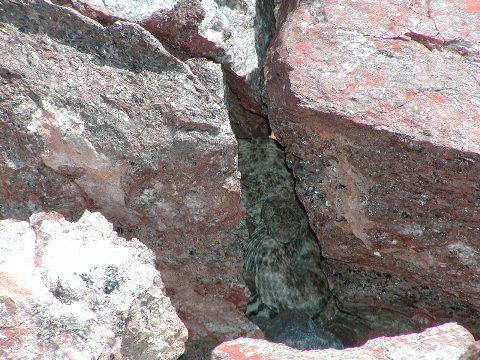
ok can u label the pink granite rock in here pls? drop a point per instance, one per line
(445, 342)
(377, 103)
(104, 118)
(230, 32)
(68, 290)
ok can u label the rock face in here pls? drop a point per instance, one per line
(104, 118)
(283, 266)
(129, 111)
(383, 139)
(444, 342)
(68, 289)
(234, 33)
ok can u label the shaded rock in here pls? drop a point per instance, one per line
(104, 118)
(296, 329)
(234, 33)
(443, 342)
(152, 330)
(473, 352)
(349, 329)
(382, 136)
(68, 288)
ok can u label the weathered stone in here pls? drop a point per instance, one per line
(234, 33)
(282, 260)
(443, 342)
(296, 329)
(104, 118)
(473, 352)
(378, 105)
(67, 288)
(153, 330)
(206, 288)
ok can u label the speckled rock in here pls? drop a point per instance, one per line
(377, 103)
(234, 33)
(104, 118)
(297, 330)
(445, 342)
(67, 290)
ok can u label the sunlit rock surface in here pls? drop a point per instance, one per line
(74, 289)
(444, 342)
(234, 33)
(104, 118)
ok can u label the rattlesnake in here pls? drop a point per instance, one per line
(283, 267)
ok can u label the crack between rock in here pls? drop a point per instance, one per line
(432, 43)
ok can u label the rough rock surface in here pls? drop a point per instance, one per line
(377, 103)
(445, 342)
(234, 33)
(70, 289)
(296, 329)
(283, 266)
(473, 352)
(105, 118)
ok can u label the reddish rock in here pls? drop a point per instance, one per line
(232, 33)
(443, 342)
(105, 118)
(378, 105)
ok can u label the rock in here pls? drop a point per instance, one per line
(234, 33)
(378, 105)
(282, 259)
(67, 289)
(443, 342)
(97, 139)
(473, 352)
(104, 118)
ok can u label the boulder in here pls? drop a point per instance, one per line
(234, 33)
(104, 118)
(444, 342)
(377, 104)
(75, 289)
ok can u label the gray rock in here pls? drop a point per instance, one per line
(105, 118)
(234, 33)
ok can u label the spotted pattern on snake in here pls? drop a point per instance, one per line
(283, 266)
